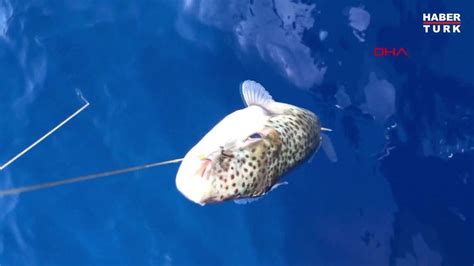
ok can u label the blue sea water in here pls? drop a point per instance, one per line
(160, 74)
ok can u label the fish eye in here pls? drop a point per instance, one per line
(256, 136)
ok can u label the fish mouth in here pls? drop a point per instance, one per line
(204, 167)
(191, 179)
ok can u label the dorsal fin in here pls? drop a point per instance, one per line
(253, 93)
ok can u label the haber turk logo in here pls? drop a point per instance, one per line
(442, 22)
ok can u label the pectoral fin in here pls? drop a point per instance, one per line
(246, 200)
(250, 200)
(328, 148)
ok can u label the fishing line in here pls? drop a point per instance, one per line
(86, 104)
(78, 179)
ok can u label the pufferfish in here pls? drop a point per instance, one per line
(246, 154)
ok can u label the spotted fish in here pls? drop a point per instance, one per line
(245, 155)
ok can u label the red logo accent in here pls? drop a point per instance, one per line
(382, 51)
